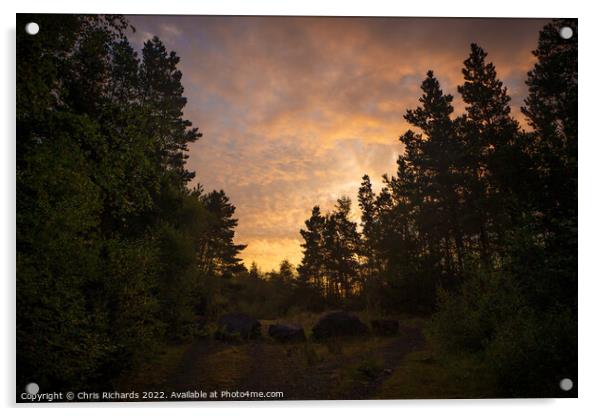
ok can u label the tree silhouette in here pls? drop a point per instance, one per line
(491, 137)
(435, 159)
(116, 254)
(107, 231)
(311, 268)
(163, 102)
(254, 271)
(217, 252)
(286, 271)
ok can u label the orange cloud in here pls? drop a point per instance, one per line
(294, 110)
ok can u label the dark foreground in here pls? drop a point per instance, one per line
(404, 366)
(336, 369)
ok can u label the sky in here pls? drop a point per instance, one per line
(295, 110)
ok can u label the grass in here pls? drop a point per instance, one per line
(225, 368)
(359, 362)
(425, 375)
(155, 371)
(368, 369)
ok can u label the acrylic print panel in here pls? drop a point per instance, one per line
(295, 208)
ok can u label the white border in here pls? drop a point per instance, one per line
(590, 287)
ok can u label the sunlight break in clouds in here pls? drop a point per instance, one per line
(294, 110)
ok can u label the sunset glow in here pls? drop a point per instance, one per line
(294, 111)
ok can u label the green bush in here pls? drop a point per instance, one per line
(528, 350)
(467, 320)
(532, 352)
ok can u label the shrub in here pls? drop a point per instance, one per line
(529, 350)
(532, 352)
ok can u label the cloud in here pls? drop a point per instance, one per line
(169, 31)
(294, 110)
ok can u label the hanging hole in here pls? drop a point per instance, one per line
(566, 384)
(32, 388)
(32, 28)
(566, 32)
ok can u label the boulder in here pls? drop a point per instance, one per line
(386, 327)
(335, 324)
(286, 333)
(237, 325)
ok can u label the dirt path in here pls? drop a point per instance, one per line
(301, 371)
(391, 355)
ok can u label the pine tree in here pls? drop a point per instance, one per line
(254, 271)
(366, 199)
(311, 268)
(163, 101)
(217, 252)
(368, 250)
(551, 110)
(493, 156)
(435, 158)
(285, 272)
(341, 242)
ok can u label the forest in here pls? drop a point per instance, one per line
(118, 255)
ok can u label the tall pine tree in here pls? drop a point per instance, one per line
(311, 268)
(217, 252)
(492, 151)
